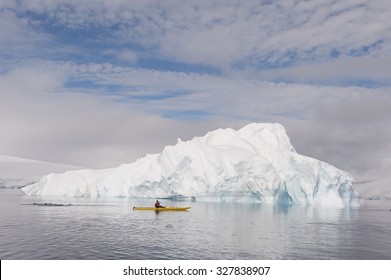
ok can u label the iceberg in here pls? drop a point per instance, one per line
(256, 163)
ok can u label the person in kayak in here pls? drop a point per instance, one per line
(157, 204)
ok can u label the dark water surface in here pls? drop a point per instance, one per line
(110, 229)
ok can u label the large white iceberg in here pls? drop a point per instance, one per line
(256, 163)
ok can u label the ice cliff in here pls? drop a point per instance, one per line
(256, 164)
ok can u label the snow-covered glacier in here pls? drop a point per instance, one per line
(254, 164)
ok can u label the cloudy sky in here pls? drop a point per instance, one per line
(99, 83)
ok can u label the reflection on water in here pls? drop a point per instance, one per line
(110, 229)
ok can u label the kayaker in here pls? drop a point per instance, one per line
(157, 204)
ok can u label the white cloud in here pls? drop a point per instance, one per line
(342, 70)
(272, 33)
(224, 33)
(18, 36)
(128, 56)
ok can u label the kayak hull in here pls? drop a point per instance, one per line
(167, 208)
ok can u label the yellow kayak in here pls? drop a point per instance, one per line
(166, 208)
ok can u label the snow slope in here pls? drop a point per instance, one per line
(18, 172)
(256, 163)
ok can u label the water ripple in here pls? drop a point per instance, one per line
(112, 230)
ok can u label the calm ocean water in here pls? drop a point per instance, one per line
(110, 229)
